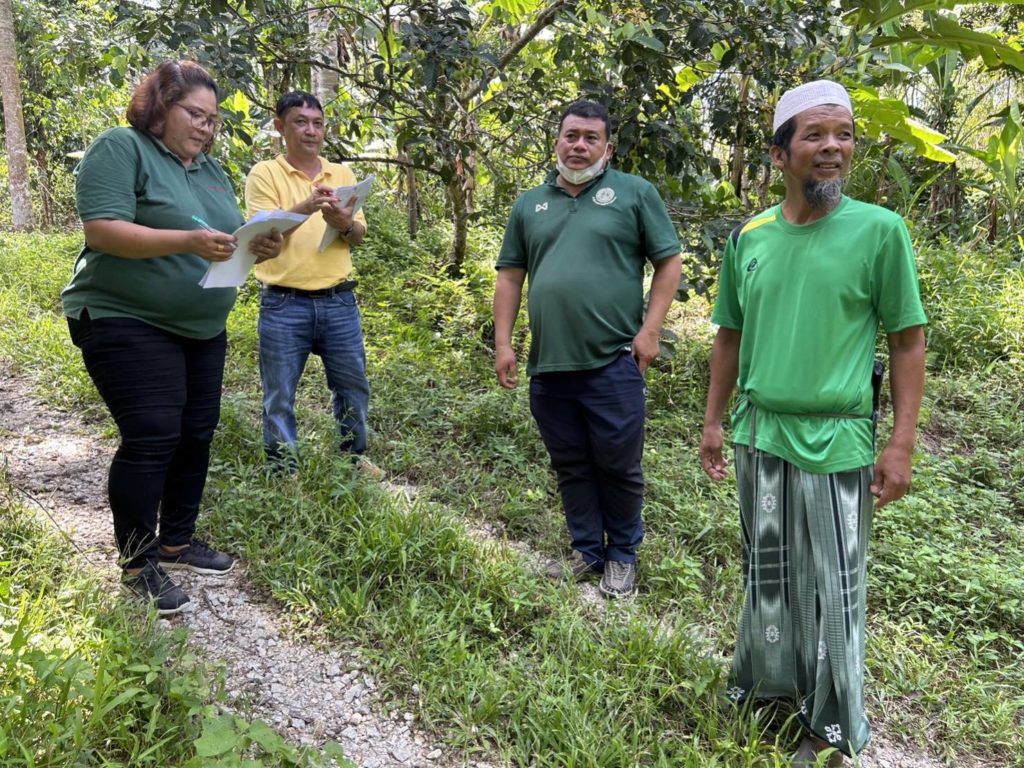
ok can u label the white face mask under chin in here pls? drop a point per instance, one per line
(583, 175)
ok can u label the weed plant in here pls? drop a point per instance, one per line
(503, 660)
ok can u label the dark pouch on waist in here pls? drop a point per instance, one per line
(877, 374)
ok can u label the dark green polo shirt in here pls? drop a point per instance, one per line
(131, 176)
(584, 258)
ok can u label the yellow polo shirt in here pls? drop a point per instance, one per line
(274, 184)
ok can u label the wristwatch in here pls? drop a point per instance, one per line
(348, 231)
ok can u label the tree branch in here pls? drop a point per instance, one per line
(544, 19)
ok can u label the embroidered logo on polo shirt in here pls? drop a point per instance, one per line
(752, 265)
(604, 196)
(541, 207)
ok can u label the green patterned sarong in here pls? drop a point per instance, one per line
(805, 539)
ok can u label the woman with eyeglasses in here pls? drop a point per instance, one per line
(156, 210)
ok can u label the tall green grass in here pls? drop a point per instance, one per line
(503, 660)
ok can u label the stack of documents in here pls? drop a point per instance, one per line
(232, 273)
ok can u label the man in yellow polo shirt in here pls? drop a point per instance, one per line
(307, 304)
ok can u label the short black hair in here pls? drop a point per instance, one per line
(297, 99)
(784, 135)
(589, 110)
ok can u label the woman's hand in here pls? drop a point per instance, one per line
(211, 245)
(265, 247)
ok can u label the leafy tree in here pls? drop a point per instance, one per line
(945, 68)
(420, 76)
(70, 92)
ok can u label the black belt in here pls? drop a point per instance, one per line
(348, 285)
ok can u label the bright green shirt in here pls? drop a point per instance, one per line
(584, 258)
(808, 301)
(129, 175)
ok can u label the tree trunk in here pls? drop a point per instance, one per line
(407, 185)
(765, 188)
(738, 151)
(413, 201)
(993, 220)
(460, 223)
(43, 184)
(14, 123)
(323, 41)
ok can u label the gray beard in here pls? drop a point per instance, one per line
(824, 195)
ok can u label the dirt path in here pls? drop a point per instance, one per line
(311, 694)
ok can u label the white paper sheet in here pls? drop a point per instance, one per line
(344, 194)
(233, 272)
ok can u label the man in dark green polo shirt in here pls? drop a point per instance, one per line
(583, 238)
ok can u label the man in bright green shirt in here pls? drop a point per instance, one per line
(583, 239)
(803, 289)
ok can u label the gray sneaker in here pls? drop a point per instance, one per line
(573, 568)
(619, 579)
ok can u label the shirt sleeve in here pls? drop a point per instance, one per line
(895, 289)
(513, 249)
(658, 231)
(261, 194)
(728, 313)
(107, 179)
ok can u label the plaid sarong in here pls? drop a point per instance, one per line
(805, 539)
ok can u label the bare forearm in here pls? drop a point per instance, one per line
(664, 286)
(508, 292)
(906, 382)
(128, 240)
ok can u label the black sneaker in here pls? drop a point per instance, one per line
(198, 557)
(152, 583)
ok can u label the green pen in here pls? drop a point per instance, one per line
(203, 224)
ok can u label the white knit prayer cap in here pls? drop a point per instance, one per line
(809, 95)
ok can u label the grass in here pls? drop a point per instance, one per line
(88, 679)
(507, 663)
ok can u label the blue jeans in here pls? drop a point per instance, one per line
(163, 391)
(290, 328)
(592, 423)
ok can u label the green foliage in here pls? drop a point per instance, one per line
(72, 88)
(34, 333)
(976, 318)
(1001, 158)
(503, 661)
(88, 681)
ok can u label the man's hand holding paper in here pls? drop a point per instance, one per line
(349, 200)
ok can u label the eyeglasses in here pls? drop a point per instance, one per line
(201, 120)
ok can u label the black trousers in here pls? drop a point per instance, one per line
(163, 391)
(592, 423)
